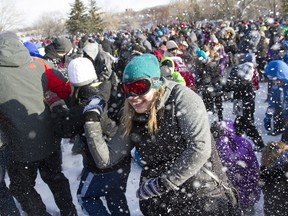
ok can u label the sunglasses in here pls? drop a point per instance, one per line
(138, 87)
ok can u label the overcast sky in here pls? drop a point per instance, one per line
(33, 9)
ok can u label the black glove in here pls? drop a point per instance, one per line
(85, 92)
(94, 108)
(102, 90)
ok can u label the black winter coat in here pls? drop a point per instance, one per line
(107, 46)
(242, 90)
(275, 190)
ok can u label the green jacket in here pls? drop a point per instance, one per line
(176, 76)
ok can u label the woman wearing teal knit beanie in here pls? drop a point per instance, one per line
(143, 66)
(168, 125)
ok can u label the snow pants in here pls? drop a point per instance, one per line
(247, 125)
(7, 204)
(22, 182)
(213, 103)
(111, 186)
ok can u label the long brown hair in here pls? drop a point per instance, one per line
(129, 113)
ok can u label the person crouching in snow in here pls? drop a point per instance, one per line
(242, 166)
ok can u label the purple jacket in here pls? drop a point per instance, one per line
(242, 166)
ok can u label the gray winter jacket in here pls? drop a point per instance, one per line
(176, 153)
(193, 143)
(22, 81)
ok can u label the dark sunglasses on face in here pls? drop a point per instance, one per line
(139, 87)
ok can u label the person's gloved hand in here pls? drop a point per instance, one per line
(150, 188)
(154, 187)
(102, 90)
(52, 100)
(94, 108)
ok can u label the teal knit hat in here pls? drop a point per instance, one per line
(143, 66)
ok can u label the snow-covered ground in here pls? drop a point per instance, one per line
(72, 164)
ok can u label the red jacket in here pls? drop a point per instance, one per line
(185, 73)
(54, 83)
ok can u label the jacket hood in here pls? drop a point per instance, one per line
(13, 53)
(228, 127)
(224, 129)
(91, 49)
(168, 61)
(167, 67)
(31, 47)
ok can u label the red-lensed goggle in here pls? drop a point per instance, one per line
(138, 87)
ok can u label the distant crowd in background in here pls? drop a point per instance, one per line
(92, 82)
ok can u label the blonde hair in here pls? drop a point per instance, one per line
(129, 113)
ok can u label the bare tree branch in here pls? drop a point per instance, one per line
(10, 18)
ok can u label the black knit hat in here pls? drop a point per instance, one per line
(62, 45)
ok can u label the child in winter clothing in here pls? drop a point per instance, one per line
(240, 82)
(276, 115)
(237, 156)
(168, 71)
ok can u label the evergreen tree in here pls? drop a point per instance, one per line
(285, 8)
(77, 21)
(196, 9)
(95, 22)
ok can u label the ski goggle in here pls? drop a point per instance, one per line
(138, 87)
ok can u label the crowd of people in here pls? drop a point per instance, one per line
(152, 91)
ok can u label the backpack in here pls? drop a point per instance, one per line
(185, 72)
